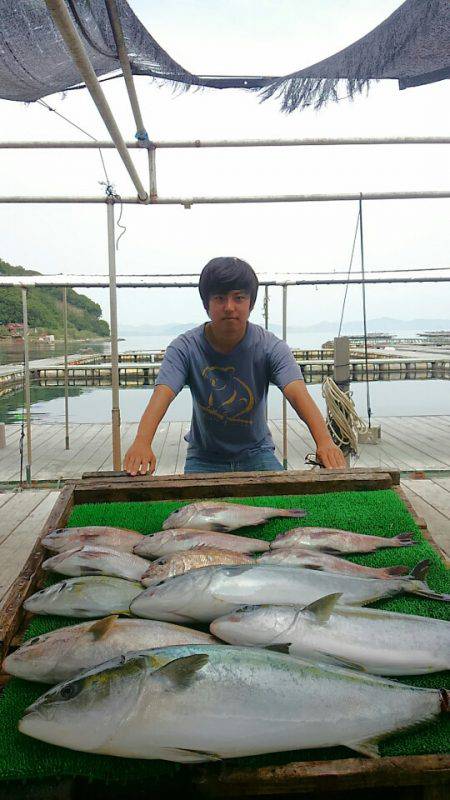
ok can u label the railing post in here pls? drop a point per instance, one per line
(115, 411)
(27, 399)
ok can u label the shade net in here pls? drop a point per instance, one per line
(412, 46)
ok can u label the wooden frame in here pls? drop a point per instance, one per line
(432, 772)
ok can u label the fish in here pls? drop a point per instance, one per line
(379, 642)
(198, 557)
(317, 559)
(211, 515)
(65, 652)
(97, 561)
(174, 540)
(334, 540)
(205, 594)
(204, 703)
(84, 597)
(97, 535)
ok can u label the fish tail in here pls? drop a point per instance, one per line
(293, 512)
(403, 540)
(420, 571)
(395, 571)
(445, 700)
(424, 591)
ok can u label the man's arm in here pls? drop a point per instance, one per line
(140, 457)
(301, 401)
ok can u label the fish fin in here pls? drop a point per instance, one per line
(400, 570)
(278, 648)
(403, 540)
(367, 748)
(294, 512)
(420, 571)
(337, 661)
(86, 570)
(102, 626)
(424, 591)
(184, 756)
(181, 671)
(218, 527)
(324, 607)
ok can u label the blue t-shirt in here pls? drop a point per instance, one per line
(229, 391)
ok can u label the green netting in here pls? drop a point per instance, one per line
(374, 512)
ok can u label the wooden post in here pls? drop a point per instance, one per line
(342, 363)
(2, 435)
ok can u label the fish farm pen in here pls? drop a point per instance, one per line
(414, 764)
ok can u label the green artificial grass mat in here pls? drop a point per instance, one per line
(374, 512)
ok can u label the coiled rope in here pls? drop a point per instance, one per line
(342, 419)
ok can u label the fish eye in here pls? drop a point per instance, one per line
(70, 690)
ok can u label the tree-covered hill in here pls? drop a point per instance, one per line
(45, 308)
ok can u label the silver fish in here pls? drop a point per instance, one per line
(97, 535)
(175, 540)
(208, 593)
(84, 597)
(64, 653)
(97, 561)
(211, 515)
(380, 642)
(334, 540)
(179, 563)
(197, 703)
(316, 559)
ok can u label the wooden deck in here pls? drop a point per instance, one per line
(22, 515)
(407, 444)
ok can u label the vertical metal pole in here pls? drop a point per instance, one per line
(115, 412)
(361, 239)
(26, 352)
(285, 434)
(266, 326)
(266, 308)
(66, 375)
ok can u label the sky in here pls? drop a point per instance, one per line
(240, 37)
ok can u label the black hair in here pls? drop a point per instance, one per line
(226, 274)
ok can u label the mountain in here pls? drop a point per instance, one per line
(45, 308)
(378, 325)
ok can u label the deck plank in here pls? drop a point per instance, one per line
(429, 507)
(16, 548)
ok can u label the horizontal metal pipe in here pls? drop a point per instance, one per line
(124, 283)
(197, 143)
(187, 202)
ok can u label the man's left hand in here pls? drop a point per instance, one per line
(328, 454)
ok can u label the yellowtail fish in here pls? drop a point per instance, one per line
(85, 597)
(64, 653)
(219, 516)
(380, 642)
(195, 703)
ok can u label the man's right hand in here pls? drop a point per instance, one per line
(139, 458)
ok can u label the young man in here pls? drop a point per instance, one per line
(228, 364)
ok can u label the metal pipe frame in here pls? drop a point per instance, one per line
(72, 39)
(187, 202)
(128, 283)
(141, 132)
(213, 143)
(285, 434)
(27, 398)
(115, 411)
(66, 375)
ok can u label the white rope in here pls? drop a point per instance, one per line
(342, 413)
